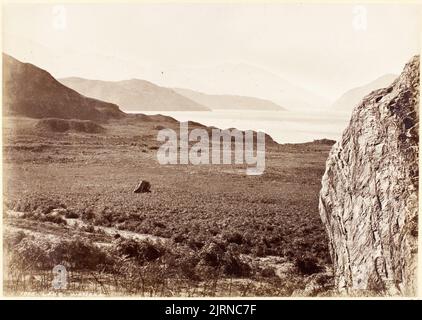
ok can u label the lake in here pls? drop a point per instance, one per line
(282, 126)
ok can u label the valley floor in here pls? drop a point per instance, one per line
(202, 230)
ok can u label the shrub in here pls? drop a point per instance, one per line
(195, 244)
(88, 228)
(88, 214)
(307, 265)
(212, 254)
(128, 248)
(54, 219)
(31, 254)
(11, 240)
(179, 238)
(140, 250)
(187, 266)
(268, 272)
(216, 256)
(79, 254)
(71, 215)
(149, 251)
(234, 237)
(233, 266)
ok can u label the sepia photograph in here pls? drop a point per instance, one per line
(210, 150)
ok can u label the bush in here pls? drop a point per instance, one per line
(268, 272)
(88, 214)
(41, 205)
(235, 237)
(11, 240)
(179, 238)
(212, 254)
(187, 266)
(53, 219)
(31, 254)
(307, 265)
(79, 254)
(195, 244)
(88, 228)
(217, 256)
(139, 250)
(233, 266)
(71, 215)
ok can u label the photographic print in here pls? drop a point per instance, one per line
(210, 149)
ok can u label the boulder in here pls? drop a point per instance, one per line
(142, 187)
(369, 196)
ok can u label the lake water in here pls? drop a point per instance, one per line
(282, 126)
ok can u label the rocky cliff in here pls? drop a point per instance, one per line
(369, 195)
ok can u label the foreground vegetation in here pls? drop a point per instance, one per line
(101, 265)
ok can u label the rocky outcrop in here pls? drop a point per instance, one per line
(142, 187)
(369, 195)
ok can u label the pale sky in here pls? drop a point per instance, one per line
(317, 47)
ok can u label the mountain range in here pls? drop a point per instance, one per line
(141, 95)
(351, 98)
(233, 79)
(215, 102)
(33, 92)
(134, 95)
(241, 79)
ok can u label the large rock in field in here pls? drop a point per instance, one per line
(369, 195)
(142, 187)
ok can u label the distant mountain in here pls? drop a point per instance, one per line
(32, 92)
(134, 94)
(214, 101)
(242, 80)
(352, 97)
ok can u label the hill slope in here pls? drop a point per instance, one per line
(352, 97)
(33, 92)
(213, 101)
(134, 94)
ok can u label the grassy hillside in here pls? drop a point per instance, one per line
(32, 92)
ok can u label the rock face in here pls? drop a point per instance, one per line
(369, 195)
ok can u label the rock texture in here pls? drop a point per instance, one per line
(369, 195)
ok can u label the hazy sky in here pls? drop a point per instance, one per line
(324, 48)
